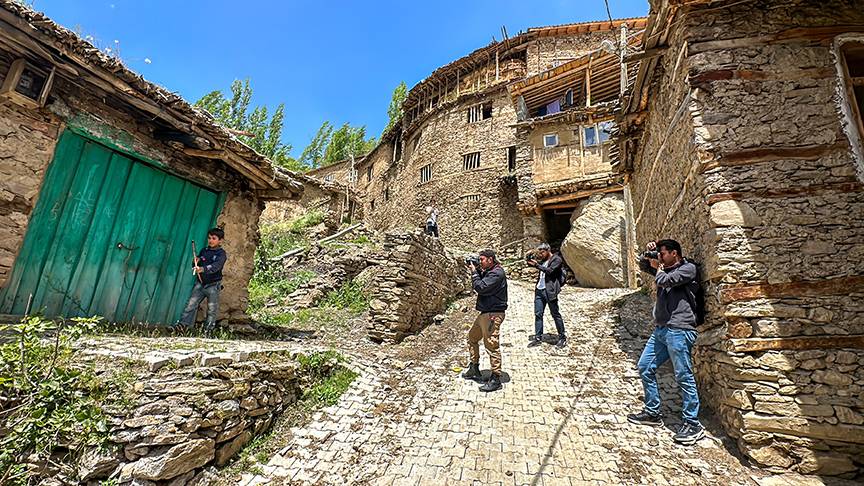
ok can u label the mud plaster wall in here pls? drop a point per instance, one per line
(568, 160)
(792, 215)
(29, 137)
(548, 52)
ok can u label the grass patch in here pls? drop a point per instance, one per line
(267, 285)
(325, 380)
(349, 296)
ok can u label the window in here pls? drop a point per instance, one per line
(853, 66)
(550, 140)
(605, 129)
(328, 178)
(590, 136)
(471, 161)
(387, 194)
(372, 205)
(369, 173)
(471, 197)
(425, 173)
(352, 176)
(479, 112)
(416, 143)
(397, 149)
(511, 158)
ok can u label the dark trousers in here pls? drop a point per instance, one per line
(432, 229)
(540, 303)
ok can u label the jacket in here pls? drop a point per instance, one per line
(491, 288)
(212, 260)
(676, 288)
(554, 275)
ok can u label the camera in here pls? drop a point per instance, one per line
(472, 260)
(532, 256)
(651, 255)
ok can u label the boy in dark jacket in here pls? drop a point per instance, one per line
(490, 283)
(208, 281)
(546, 293)
(672, 339)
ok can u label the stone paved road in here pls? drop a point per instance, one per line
(559, 419)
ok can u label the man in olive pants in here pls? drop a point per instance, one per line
(490, 283)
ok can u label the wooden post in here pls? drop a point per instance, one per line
(457, 83)
(622, 48)
(497, 69)
(588, 82)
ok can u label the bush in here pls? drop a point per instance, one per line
(47, 406)
(349, 296)
(268, 285)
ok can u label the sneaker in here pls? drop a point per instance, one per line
(645, 418)
(473, 372)
(535, 342)
(562, 343)
(690, 434)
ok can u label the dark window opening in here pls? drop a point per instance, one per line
(372, 205)
(397, 149)
(487, 110)
(479, 112)
(471, 161)
(368, 173)
(853, 59)
(557, 223)
(511, 158)
(425, 173)
(387, 194)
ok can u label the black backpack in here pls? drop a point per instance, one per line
(697, 297)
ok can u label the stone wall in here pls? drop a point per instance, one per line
(418, 280)
(192, 411)
(758, 183)
(329, 201)
(548, 52)
(29, 137)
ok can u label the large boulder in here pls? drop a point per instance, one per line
(594, 244)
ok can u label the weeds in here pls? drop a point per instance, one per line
(349, 296)
(267, 285)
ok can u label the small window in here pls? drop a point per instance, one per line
(479, 112)
(550, 140)
(328, 178)
(397, 149)
(425, 173)
(368, 173)
(372, 205)
(511, 158)
(387, 194)
(605, 129)
(590, 136)
(471, 161)
(416, 143)
(352, 176)
(853, 60)
(471, 197)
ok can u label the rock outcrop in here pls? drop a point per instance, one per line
(593, 249)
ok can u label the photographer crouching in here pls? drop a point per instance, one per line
(675, 318)
(546, 292)
(490, 282)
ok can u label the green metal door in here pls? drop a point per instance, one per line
(109, 236)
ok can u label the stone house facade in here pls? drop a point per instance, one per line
(459, 147)
(741, 138)
(105, 180)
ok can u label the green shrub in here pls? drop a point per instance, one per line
(268, 285)
(47, 406)
(350, 296)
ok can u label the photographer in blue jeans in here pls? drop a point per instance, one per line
(675, 319)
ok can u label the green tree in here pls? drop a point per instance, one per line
(347, 141)
(265, 130)
(394, 111)
(313, 154)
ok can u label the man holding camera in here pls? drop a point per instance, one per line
(546, 292)
(490, 283)
(675, 317)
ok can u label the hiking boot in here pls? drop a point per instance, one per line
(689, 434)
(562, 343)
(473, 372)
(535, 341)
(493, 384)
(645, 418)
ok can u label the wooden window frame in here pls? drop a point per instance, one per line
(849, 106)
(468, 162)
(557, 140)
(426, 171)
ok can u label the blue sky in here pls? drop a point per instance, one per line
(335, 60)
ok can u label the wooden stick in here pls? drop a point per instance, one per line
(295, 251)
(195, 259)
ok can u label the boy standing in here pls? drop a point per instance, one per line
(208, 282)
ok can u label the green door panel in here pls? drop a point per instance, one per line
(109, 236)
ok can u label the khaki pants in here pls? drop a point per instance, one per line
(486, 327)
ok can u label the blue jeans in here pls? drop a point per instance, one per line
(199, 293)
(540, 303)
(675, 344)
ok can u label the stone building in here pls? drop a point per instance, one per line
(741, 138)
(105, 179)
(459, 144)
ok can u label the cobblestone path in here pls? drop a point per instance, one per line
(560, 418)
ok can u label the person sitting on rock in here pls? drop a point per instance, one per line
(549, 281)
(673, 337)
(490, 283)
(431, 221)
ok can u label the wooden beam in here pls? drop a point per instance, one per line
(277, 194)
(848, 185)
(548, 201)
(646, 54)
(797, 343)
(801, 288)
(206, 154)
(588, 82)
(706, 77)
(772, 154)
(817, 34)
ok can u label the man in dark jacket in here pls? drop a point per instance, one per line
(208, 281)
(673, 338)
(546, 293)
(490, 283)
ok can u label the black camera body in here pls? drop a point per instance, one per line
(651, 255)
(472, 260)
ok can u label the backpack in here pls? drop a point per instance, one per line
(697, 298)
(563, 278)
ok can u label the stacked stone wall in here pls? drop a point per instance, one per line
(418, 280)
(29, 137)
(548, 52)
(775, 212)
